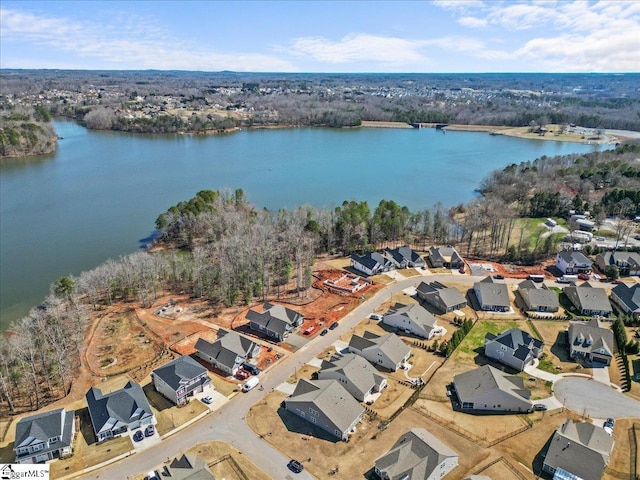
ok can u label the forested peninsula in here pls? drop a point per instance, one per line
(219, 248)
(26, 131)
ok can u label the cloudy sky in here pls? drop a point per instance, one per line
(323, 36)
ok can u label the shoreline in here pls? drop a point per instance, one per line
(517, 132)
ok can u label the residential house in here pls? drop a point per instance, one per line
(412, 319)
(445, 257)
(628, 263)
(627, 298)
(275, 321)
(228, 351)
(180, 379)
(44, 436)
(445, 299)
(492, 296)
(572, 262)
(371, 263)
(537, 297)
(591, 341)
(386, 351)
(514, 348)
(327, 405)
(356, 375)
(404, 257)
(416, 455)
(578, 450)
(117, 412)
(490, 390)
(186, 467)
(589, 300)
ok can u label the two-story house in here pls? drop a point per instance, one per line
(571, 262)
(387, 351)
(514, 348)
(44, 436)
(181, 379)
(228, 352)
(275, 321)
(412, 319)
(115, 413)
(355, 374)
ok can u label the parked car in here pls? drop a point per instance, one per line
(333, 326)
(242, 374)
(609, 422)
(374, 316)
(540, 407)
(600, 239)
(324, 332)
(499, 277)
(295, 466)
(149, 431)
(251, 368)
(584, 276)
(138, 436)
(208, 399)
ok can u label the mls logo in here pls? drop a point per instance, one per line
(6, 472)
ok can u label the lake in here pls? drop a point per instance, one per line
(98, 196)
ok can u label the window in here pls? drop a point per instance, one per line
(313, 419)
(313, 412)
(38, 447)
(53, 440)
(338, 433)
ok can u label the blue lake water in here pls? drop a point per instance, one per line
(100, 193)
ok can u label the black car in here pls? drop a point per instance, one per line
(251, 368)
(138, 436)
(295, 466)
(335, 325)
(324, 332)
(499, 277)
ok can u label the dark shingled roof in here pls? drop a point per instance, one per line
(179, 370)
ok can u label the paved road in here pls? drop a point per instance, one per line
(595, 399)
(228, 423)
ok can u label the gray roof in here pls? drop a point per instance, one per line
(43, 426)
(593, 330)
(514, 338)
(274, 317)
(415, 455)
(359, 371)
(226, 348)
(179, 371)
(405, 253)
(390, 344)
(330, 398)
(413, 312)
(117, 408)
(620, 258)
(445, 254)
(580, 448)
(538, 295)
(492, 292)
(574, 257)
(449, 296)
(372, 260)
(189, 467)
(587, 297)
(628, 295)
(477, 382)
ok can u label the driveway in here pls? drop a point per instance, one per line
(595, 399)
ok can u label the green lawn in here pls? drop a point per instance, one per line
(475, 338)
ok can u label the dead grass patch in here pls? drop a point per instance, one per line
(489, 428)
(621, 460)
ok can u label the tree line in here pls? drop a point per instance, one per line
(219, 247)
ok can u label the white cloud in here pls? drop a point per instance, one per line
(473, 22)
(360, 48)
(559, 36)
(131, 44)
